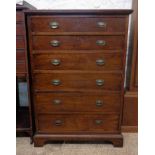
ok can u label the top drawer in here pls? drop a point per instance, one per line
(77, 24)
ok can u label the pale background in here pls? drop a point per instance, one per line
(79, 4)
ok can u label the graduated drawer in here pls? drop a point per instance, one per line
(19, 16)
(79, 61)
(69, 123)
(20, 42)
(77, 42)
(19, 29)
(77, 24)
(78, 102)
(77, 81)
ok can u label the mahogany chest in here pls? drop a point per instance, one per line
(77, 64)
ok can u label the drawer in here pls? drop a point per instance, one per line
(79, 61)
(77, 24)
(19, 16)
(20, 67)
(78, 102)
(69, 123)
(19, 29)
(77, 42)
(77, 81)
(20, 42)
(20, 55)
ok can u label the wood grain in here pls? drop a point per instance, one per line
(79, 61)
(77, 42)
(77, 123)
(77, 73)
(77, 24)
(78, 102)
(77, 81)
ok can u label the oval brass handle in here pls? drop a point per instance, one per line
(99, 82)
(58, 122)
(56, 102)
(98, 121)
(55, 62)
(101, 42)
(55, 43)
(99, 103)
(101, 24)
(54, 25)
(56, 82)
(100, 62)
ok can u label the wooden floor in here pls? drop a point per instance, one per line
(130, 148)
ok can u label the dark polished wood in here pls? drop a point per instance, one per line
(77, 81)
(72, 68)
(78, 24)
(21, 67)
(130, 112)
(19, 16)
(75, 60)
(19, 29)
(78, 102)
(115, 139)
(109, 12)
(77, 123)
(78, 42)
(130, 117)
(23, 115)
(20, 42)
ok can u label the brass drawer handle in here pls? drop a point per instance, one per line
(55, 43)
(55, 62)
(56, 102)
(99, 82)
(101, 42)
(56, 82)
(100, 62)
(101, 24)
(54, 25)
(98, 122)
(58, 122)
(99, 103)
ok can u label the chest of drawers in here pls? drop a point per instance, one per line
(76, 61)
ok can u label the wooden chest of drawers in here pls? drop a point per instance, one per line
(77, 61)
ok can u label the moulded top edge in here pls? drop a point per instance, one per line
(80, 12)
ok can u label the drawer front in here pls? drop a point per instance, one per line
(19, 16)
(20, 67)
(20, 55)
(20, 43)
(69, 123)
(19, 29)
(78, 102)
(77, 42)
(77, 24)
(77, 81)
(78, 61)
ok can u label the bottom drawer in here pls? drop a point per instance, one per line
(70, 123)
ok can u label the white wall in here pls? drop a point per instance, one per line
(80, 4)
